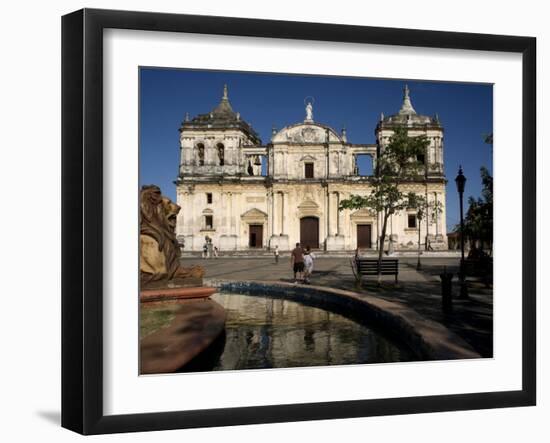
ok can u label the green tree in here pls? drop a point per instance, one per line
(478, 222)
(402, 160)
(425, 210)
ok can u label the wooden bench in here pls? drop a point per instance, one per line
(369, 266)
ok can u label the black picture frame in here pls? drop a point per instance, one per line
(82, 218)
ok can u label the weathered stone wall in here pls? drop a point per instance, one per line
(279, 209)
(241, 197)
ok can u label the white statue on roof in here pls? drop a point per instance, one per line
(309, 112)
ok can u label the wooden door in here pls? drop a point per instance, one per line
(255, 236)
(309, 232)
(364, 236)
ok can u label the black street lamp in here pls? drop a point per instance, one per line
(460, 181)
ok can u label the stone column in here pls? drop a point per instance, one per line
(237, 210)
(228, 213)
(269, 206)
(282, 212)
(231, 213)
(337, 213)
(222, 216)
(327, 214)
(183, 202)
(331, 225)
(436, 216)
(274, 213)
(194, 227)
(439, 151)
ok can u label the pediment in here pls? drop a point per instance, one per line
(255, 214)
(308, 204)
(308, 207)
(306, 133)
(363, 213)
(307, 158)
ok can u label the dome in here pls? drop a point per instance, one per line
(221, 117)
(407, 115)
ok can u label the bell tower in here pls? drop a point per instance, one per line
(213, 161)
(416, 125)
(432, 187)
(211, 144)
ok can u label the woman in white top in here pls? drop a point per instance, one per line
(308, 264)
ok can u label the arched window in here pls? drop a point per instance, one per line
(200, 154)
(221, 153)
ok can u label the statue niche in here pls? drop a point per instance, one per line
(159, 248)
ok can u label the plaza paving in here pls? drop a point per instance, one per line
(420, 290)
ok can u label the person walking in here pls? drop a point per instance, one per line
(276, 254)
(205, 250)
(308, 264)
(297, 262)
(210, 248)
(215, 252)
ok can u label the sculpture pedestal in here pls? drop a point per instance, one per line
(197, 323)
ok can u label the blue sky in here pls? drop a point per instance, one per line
(266, 100)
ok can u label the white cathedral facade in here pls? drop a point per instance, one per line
(308, 169)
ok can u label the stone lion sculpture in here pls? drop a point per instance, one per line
(159, 248)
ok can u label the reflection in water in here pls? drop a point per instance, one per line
(263, 332)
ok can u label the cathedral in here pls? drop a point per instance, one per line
(245, 195)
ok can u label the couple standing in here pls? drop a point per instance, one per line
(302, 263)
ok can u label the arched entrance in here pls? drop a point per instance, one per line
(309, 232)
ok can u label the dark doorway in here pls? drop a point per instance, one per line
(364, 236)
(255, 236)
(309, 232)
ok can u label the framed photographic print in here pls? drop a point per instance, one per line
(270, 221)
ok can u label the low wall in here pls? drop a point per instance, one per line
(427, 339)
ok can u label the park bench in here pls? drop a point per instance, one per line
(369, 266)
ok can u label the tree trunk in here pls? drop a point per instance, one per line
(382, 239)
(419, 244)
